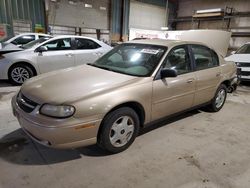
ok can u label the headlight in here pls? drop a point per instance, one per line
(63, 111)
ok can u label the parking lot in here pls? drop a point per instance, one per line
(196, 149)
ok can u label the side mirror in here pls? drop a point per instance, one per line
(41, 49)
(168, 73)
(233, 52)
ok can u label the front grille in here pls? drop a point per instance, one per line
(245, 73)
(241, 64)
(25, 104)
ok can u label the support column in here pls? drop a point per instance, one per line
(125, 20)
(119, 20)
(116, 13)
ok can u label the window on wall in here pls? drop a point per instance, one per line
(204, 57)
(21, 26)
(85, 44)
(59, 44)
(178, 59)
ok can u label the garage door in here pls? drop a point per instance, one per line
(146, 16)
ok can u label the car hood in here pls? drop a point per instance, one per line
(239, 58)
(9, 48)
(72, 84)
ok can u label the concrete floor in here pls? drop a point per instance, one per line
(195, 150)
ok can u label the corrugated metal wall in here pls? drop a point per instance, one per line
(146, 16)
(22, 10)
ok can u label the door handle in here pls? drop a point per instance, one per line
(69, 55)
(99, 53)
(218, 74)
(189, 81)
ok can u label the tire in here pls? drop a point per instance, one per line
(219, 99)
(19, 73)
(230, 89)
(119, 130)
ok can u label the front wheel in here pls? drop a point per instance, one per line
(119, 130)
(219, 99)
(19, 73)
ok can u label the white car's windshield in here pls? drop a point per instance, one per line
(35, 42)
(245, 49)
(132, 59)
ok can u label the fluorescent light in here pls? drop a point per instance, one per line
(103, 8)
(88, 5)
(71, 2)
(164, 28)
(209, 11)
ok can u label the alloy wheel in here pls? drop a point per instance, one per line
(20, 74)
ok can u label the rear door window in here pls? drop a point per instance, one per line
(204, 57)
(85, 44)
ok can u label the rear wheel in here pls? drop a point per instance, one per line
(20, 73)
(219, 99)
(119, 130)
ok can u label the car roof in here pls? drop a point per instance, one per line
(65, 36)
(32, 34)
(164, 42)
(68, 36)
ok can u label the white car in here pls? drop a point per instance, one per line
(242, 59)
(21, 39)
(56, 53)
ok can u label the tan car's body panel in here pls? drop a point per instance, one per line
(171, 91)
(95, 92)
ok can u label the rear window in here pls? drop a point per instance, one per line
(23, 39)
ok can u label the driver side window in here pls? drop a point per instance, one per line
(59, 44)
(178, 59)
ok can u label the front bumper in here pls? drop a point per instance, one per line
(4, 67)
(64, 135)
(244, 73)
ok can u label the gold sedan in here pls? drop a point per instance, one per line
(132, 85)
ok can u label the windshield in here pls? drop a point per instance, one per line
(245, 49)
(132, 59)
(35, 42)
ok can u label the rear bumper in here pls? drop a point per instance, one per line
(60, 136)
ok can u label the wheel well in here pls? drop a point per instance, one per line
(26, 64)
(227, 83)
(137, 107)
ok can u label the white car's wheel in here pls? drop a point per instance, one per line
(19, 73)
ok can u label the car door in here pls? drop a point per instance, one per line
(58, 55)
(86, 51)
(207, 73)
(174, 94)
